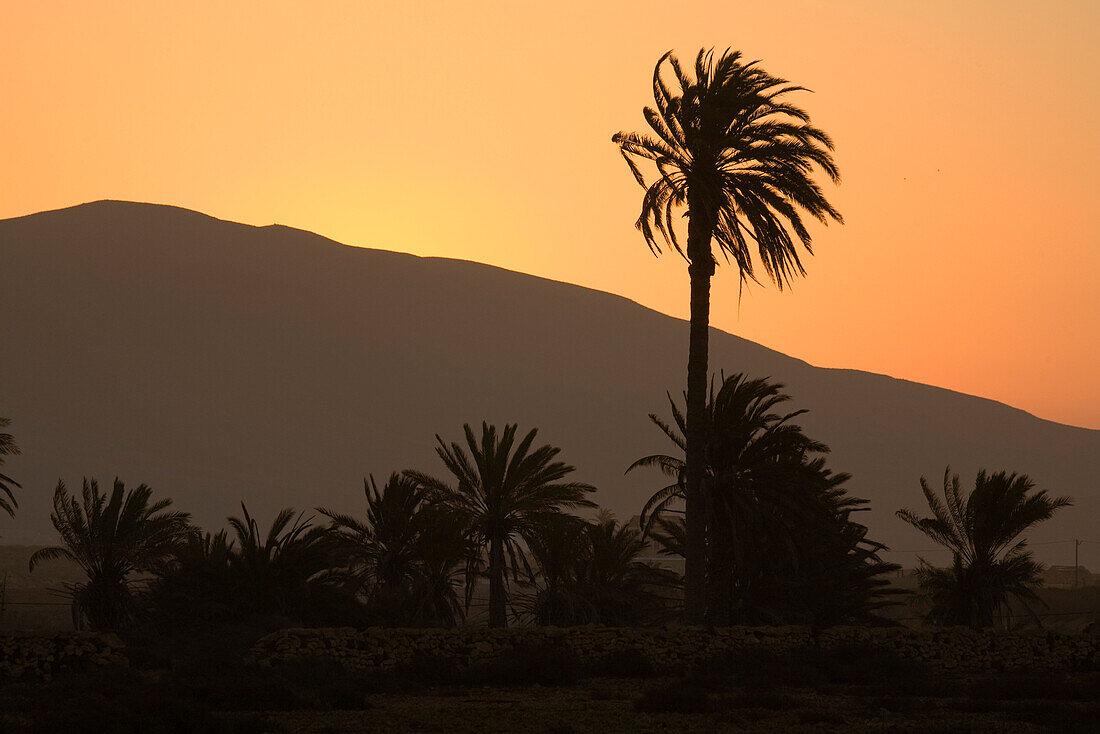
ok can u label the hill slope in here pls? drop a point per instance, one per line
(218, 362)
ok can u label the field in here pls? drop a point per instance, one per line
(203, 684)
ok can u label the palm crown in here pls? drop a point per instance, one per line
(728, 145)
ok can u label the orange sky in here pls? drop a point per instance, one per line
(966, 133)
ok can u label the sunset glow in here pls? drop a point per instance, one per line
(966, 136)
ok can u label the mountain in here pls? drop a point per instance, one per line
(219, 362)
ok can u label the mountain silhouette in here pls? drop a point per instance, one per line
(220, 362)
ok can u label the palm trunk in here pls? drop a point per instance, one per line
(700, 271)
(497, 614)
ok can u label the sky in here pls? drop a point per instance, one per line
(966, 134)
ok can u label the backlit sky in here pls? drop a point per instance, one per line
(967, 135)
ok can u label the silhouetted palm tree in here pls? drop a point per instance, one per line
(7, 448)
(406, 553)
(196, 585)
(504, 493)
(625, 590)
(589, 573)
(291, 571)
(771, 507)
(558, 551)
(990, 563)
(741, 158)
(111, 538)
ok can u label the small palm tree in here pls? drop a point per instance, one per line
(589, 573)
(195, 586)
(559, 552)
(7, 448)
(625, 591)
(288, 571)
(111, 538)
(504, 493)
(990, 562)
(730, 148)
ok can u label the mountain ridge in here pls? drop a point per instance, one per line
(183, 293)
(329, 240)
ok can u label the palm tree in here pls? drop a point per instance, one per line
(290, 571)
(740, 157)
(625, 591)
(196, 586)
(773, 510)
(407, 553)
(111, 538)
(7, 448)
(990, 562)
(504, 493)
(558, 550)
(382, 549)
(589, 573)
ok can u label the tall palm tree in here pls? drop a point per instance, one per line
(7, 448)
(990, 562)
(111, 538)
(741, 158)
(504, 493)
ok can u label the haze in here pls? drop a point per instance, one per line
(965, 133)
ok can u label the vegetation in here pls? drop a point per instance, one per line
(504, 493)
(111, 538)
(409, 556)
(7, 448)
(589, 574)
(782, 547)
(292, 574)
(991, 565)
(740, 157)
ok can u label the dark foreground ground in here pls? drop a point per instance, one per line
(204, 684)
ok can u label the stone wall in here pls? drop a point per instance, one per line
(957, 648)
(40, 656)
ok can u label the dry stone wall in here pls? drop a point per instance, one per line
(959, 649)
(41, 656)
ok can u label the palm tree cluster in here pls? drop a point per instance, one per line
(782, 546)
(415, 558)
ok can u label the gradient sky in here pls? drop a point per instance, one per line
(966, 133)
